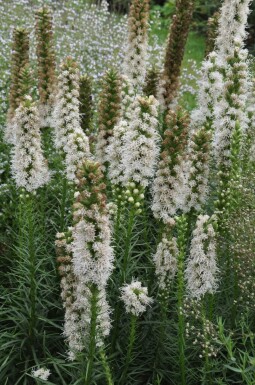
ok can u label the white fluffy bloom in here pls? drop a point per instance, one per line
(134, 66)
(69, 135)
(92, 252)
(202, 272)
(170, 190)
(42, 373)
(165, 261)
(135, 298)
(140, 142)
(232, 25)
(29, 168)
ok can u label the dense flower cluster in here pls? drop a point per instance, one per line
(202, 271)
(108, 113)
(178, 35)
(165, 260)
(135, 298)
(20, 58)
(29, 168)
(86, 105)
(136, 56)
(170, 184)
(69, 136)
(140, 150)
(42, 373)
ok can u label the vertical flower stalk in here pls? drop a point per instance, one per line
(135, 298)
(169, 186)
(20, 58)
(29, 168)
(134, 66)
(86, 106)
(108, 113)
(69, 136)
(92, 260)
(178, 35)
(46, 63)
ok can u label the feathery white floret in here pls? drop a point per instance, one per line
(140, 142)
(165, 261)
(202, 272)
(29, 167)
(135, 298)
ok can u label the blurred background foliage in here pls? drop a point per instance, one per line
(203, 10)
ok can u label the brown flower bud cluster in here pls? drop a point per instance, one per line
(20, 58)
(212, 25)
(108, 112)
(86, 105)
(90, 188)
(178, 35)
(45, 55)
(151, 82)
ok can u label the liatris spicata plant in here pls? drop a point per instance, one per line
(29, 168)
(108, 113)
(92, 260)
(134, 66)
(86, 105)
(179, 30)
(140, 142)
(84, 280)
(169, 186)
(202, 272)
(69, 136)
(20, 58)
(46, 62)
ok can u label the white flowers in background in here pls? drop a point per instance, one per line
(140, 142)
(135, 298)
(42, 373)
(69, 135)
(29, 168)
(165, 261)
(134, 66)
(202, 272)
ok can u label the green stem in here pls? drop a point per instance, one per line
(128, 244)
(181, 241)
(92, 338)
(106, 367)
(32, 267)
(207, 367)
(63, 204)
(131, 342)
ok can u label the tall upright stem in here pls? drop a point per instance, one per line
(181, 241)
